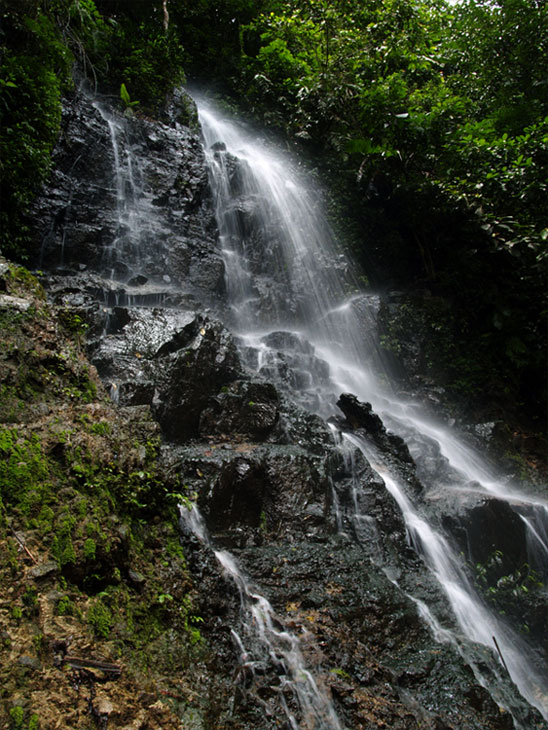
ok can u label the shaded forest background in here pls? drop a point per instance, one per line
(426, 121)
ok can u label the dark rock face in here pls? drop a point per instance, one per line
(176, 361)
(361, 416)
(362, 637)
(247, 408)
(291, 361)
(494, 538)
(490, 526)
(288, 515)
(129, 198)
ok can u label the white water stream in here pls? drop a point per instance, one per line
(304, 324)
(266, 642)
(132, 259)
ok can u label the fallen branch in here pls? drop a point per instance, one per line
(500, 654)
(80, 663)
(25, 548)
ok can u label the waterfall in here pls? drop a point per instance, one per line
(303, 323)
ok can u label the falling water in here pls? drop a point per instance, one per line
(474, 619)
(131, 259)
(303, 323)
(266, 642)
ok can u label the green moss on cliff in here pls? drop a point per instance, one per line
(91, 557)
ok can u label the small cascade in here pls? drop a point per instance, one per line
(265, 643)
(361, 526)
(303, 324)
(280, 276)
(537, 536)
(449, 467)
(126, 257)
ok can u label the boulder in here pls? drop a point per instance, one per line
(189, 377)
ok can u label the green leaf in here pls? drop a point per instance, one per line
(124, 94)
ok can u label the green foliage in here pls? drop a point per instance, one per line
(73, 321)
(65, 606)
(17, 716)
(35, 67)
(163, 597)
(502, 178)
(90, 548)
(191, 621)
(210, 33)
(25, 473)
(144, 59)
(101, 428)
(62, 547)
(30, 598)
(506, 591)
(341, 673)
(124, 96)
(100, 618)
(419, 106)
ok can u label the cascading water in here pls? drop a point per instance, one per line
(137, 248)
(281, 277)
(303, 324)
(266, 641)
(476, 622)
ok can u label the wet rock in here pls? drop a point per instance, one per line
(44, 570)
(360, 415)
(246, 408)
(77, 219)
(364, 507)
(307, 430)
(488, 527)
(15, 303)
(136, 577)
(288, 359)
(260, 488)
(132, 356)
(189, 377)
(239, 495)
(181, 338)
(30, 662)
(181, 109)
(511, 574)
(138, 280)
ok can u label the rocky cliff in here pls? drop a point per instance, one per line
(124, 396)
